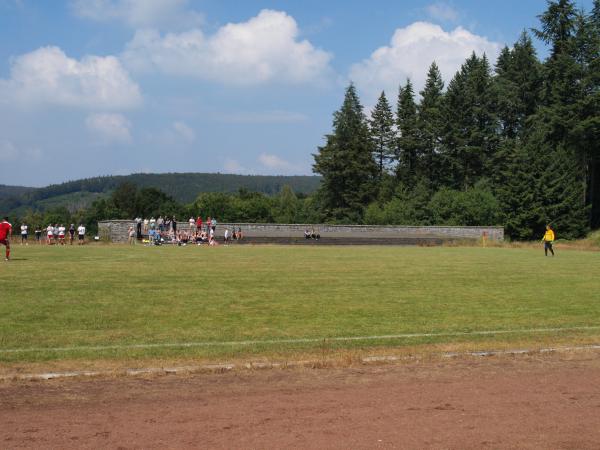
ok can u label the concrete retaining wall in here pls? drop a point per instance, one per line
(116, 231)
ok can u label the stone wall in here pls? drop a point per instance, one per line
(116, 231)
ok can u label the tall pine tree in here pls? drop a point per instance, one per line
(383, 134)
(346, 164)
(408, 139)
(562, 192)
(470, 132)
(429, 128)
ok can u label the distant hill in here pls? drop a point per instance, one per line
(184, 187)
(13, 191)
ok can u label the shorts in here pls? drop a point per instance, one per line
(61, 236)
(24, 237)
(81, 236)
(5, 242)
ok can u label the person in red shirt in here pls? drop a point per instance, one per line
(199, 224)
(5, 230)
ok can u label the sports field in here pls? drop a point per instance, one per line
(120, 303)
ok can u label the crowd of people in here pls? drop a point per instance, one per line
(166, 230)
(53, 234)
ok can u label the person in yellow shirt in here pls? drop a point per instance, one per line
(548, 239)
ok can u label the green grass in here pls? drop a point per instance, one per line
(118, 295)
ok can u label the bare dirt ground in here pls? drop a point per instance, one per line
(550, 401)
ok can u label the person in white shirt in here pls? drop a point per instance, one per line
(226, 235)
(192, 222)
(61, 234)
(49, 234)
(146, 226)
(81, 234)
(23, 234)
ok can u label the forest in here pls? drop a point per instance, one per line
(516, 144)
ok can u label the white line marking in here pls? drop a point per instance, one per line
(295, 341)
(224, 367)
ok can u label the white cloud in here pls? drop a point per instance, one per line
(274, 162)
(233, 166)
(10, 152)
(261, 117)
(109, 127)
(139, 13)
(265, 48)
(442, 11)
(184, 131)
(411, 52)
(48, 76)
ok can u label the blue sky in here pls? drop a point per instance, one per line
(99, 87)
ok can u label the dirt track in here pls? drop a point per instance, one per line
(523, 402)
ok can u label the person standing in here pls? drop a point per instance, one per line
(61, 234)
(548, 239)
(5, 230)
(138, 225)
(55, 231)
(192, 223)
(131, 234)
(81, 234)
(38, 235)
(146, 225)
(174, 226)
(71, 233)
(24, 233)
(49, 234)
(199, 225)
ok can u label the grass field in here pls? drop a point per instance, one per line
(111, 302)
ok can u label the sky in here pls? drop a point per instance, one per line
(112, 87)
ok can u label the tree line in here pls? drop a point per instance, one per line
(517, 144)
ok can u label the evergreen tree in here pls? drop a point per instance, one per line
(470, 138)
(346, 164)
(287, 206)
(520, 206)
(518, 83)
(408, 139)
(562, 192)
(383, 134)
(585, 135)
(429, 128)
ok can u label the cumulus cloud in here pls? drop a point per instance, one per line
(410, 53)
(139, 13)
(48, 76)
(185, 131)
(10, 152)
(233, 166)
(266, 48)
(274, 162)
(109, 127)
(442, 11)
